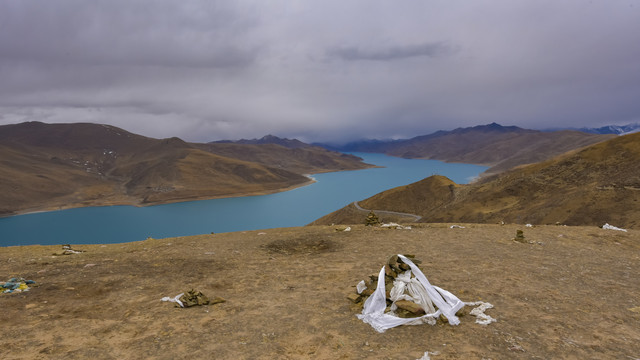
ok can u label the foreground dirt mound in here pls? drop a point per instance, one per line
(565, 292)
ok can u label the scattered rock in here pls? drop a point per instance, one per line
(217, 300)
(355, 298)
(410, 306)
(67, 250)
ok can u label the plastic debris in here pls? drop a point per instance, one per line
(393, 225)
(361, 287)
(456, 227)
(427, 353)
(478, 312)
(15, 285)
(611, 227)
(175, 299)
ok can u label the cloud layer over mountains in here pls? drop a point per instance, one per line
(208, 70)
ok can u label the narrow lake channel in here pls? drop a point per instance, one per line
(298, 207)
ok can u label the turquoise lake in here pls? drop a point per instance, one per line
(298, 207)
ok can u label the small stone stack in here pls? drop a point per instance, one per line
(392, 268)
(372, 219)
(194, 297)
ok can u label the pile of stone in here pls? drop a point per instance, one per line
(193, 298)
(372, 219)
(393, 267)
(67, 250)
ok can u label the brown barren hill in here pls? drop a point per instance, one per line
(568, 293)
(300, 159)
(494, 145)
(593, 186)
(51, 166)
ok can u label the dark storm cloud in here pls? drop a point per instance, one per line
(391, 53)
(213, 69)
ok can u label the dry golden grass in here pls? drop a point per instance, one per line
(593, 186)
(52, 166)
(571, 293)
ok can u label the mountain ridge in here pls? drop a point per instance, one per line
(499, 147)
(594, 185)
(51, 166)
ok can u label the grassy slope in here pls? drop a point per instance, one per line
(48, 166)
(592, 186)
(499, 147)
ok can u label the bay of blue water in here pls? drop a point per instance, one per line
(298, 207)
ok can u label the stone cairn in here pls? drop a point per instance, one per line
(194, 297)
(392, 268)
(372, 219)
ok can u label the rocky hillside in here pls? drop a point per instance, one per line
(501, 147)
(593, 186)
(299, 159)
(49, 166)
(267, 139)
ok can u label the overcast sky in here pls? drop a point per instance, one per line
(323, 70)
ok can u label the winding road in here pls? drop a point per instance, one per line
(416, 217)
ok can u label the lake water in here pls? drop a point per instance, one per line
(298, 207)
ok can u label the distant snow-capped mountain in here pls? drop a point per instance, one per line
(613, 129)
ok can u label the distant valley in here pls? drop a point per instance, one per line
(594, 185)
(54, 166)
(494, 145)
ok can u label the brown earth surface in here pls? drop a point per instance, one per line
(570, 293)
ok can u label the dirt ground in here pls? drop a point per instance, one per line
(572, 293)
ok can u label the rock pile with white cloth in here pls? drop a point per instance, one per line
(401, 295)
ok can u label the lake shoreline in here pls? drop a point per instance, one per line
(121, 220)
(101, 203)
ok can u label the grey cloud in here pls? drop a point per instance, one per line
(211, 69)
(354, 53)
(135, 33)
